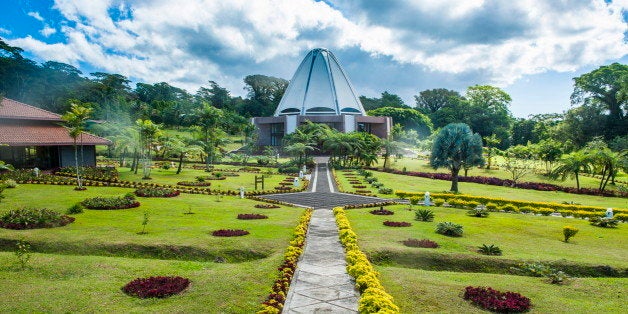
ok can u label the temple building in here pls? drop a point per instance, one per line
(320, 91)
(33, 137)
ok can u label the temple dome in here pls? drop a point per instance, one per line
(319, 87)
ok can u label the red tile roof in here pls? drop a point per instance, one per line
(12, 109)
(16, 133)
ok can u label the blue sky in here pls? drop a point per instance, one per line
(530, 48)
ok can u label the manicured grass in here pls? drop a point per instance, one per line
(170, 232)
(420, 291)
(408, 183)
(521, 237)
(170, 176)
(91, 284)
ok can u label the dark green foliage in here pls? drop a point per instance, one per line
(385, 191)
(32, 218)
(424, 243)
(449, 229)
(479, 212)
(75, 209)
(489, 249)
(424, 215)
(409, 118)
(127, 201)
(604, 222)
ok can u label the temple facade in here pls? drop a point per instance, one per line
(320, 91)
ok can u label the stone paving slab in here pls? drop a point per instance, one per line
(323, 199)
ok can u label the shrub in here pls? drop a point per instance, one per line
(193, 183)
(493, 300)
(509, 208)
(622, 217)
(478, 212)
(266, 206)
(382, 211)
(397, 223)
(424, 215)
(251, 216)
(604, 222)
(156, 287)
(127, 201)
(491, 207)
(533, 269)
(229, 233)
(489, 249)
(75, 209)
(289, 169)
(569, 232)
(156, 192)
(33, 218)
(379, 185)
(425, 243)
(438, 202)
(526, 209)
(386, 191)
(414, 200)
(449, 229)
(370, 179)
(10, 183)
(545, 211)
(557, 277)
(23, 253)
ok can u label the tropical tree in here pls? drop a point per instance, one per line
(549, 151)
(299, 151)
(455, 147)
(208, 119)
(74, 121)
(571, 165)
(148, 132)
(518, 162)
(605, 162)
(390, 148)
(491, 142)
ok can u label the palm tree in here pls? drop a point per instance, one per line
(298, 150)
(148, 132)
(571, 165)
(74, 121)
(208, 118)
(390, 148)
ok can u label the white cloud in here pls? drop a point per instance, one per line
(4, 31)
(47, 31)
(189, 43)
(36, 16)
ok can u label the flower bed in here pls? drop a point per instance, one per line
(91, 173)
(397, 223)
(156, 192)
(359, 186)
(156, 287)
(493, 300)
(266, 206)
(194, 183)
(283, 188)
(382, 211)
(229, 233)
(424, 243)
(33, 218)
(200, 178)
(275, 300)
(363, 191)
(127, 201)
(251, 216)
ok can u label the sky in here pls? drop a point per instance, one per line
(531, 48)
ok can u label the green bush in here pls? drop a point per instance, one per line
(489, 249)
(509, 208)
(414, 200)
(569, 232)
(544, 211)
(379, 185)
(32, 218)
(371, 179)
(439, 202)
(10, 183)
(526, 209)
(385, 191)
(75, 209)
(424, 215)
(478, 212)
(491, 206)
(604, 222)
(449, 229)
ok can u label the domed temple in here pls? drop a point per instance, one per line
(320, 91)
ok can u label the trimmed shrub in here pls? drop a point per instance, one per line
(75, 209)
(251, 216)
(194, 183)
(449, 229)
(397, 223)
(438, 202)
(526, 209)
(385, 191)
(229, 233)
(156, 192)
(266, 206)
(491, 206)
(489, 249)
(127, 201)
(493, 300)
(424, 243)
(414, 200)
(424, 215)
(156, 287)
(33, 218)
(382, 211)
(509, 208)
(569, 232)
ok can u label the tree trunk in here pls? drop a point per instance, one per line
(180, 162)
(577, 181)
(454, 179)
(78, 176)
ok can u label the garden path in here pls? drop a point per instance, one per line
(321, 283)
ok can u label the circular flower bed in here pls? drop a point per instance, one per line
(229, 233)
(251, 216)
(156, 287)
(397, 223)
(493, 300)
(156, 192)
(194, 183)
(425, 243)
(382, 211)
(266, 206)
(127, 201)
(33, 218)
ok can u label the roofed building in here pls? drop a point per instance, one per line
(320, 91)
(33, 137)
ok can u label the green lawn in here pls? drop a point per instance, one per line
(420, 291)
(91, 284)
(170, 176)
(521, 237)
(170, 230)
(417, 184)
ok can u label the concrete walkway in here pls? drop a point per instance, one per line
(321, 283)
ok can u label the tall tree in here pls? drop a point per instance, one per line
(456, 147)
(431, 100)
(409, 118)
(571, 165)
(74, 121)
(148, 132)
(209, 119)
(489, 113)
(264, 94)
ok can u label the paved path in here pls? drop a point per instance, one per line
(321, 283)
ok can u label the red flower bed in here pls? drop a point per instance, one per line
(355, 182)
(266, 206)
(397, 223)
(493, 300)
(251, 216)
(363, 191)
(229, 233)
(382, 211)
(283, 188)
(156, 192)
(156, 287)
(33, 218)
(359, 186)
(194, 183)
(425, 243)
